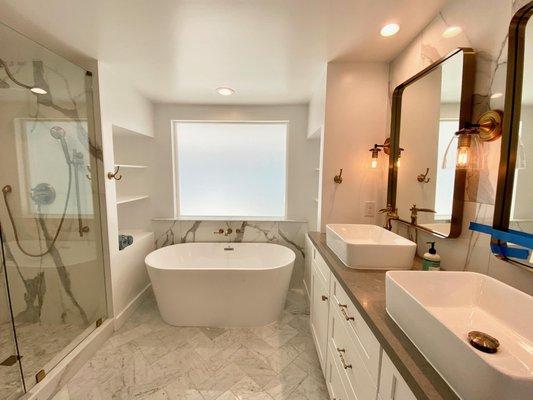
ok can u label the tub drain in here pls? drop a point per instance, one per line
(483, 342)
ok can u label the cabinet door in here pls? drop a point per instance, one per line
(307, 269)
(391, 385)
(319, 314)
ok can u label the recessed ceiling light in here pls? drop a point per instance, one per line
(389, 30)
(452, 31)
(225, 91)
(38, 90)
(496, 95)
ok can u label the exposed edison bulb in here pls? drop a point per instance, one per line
(463, 157)
(374, 163)
(398, 163)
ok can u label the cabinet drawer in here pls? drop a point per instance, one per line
(334, 382)
(391, 385)
(360, 334)
(360, 382)
(321, 265)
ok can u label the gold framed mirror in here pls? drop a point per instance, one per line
(513, 209)
(425, 188)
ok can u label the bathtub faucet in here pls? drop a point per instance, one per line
(226, 232)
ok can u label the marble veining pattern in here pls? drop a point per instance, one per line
(148, 359)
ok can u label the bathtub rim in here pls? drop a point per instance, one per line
(247, 269)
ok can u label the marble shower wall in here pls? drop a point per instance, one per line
(485, 25)
(289, 234)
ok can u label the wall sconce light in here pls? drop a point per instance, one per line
(375, 153)
(470, 140)
(386, 149)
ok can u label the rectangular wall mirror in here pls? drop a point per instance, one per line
(425, 188)
(514, 196)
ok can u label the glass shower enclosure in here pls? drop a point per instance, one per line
(52, 286)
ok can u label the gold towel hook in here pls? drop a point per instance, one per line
(114, 175)
(338, 178)
(422, 178)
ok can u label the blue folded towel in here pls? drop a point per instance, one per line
(124, 241)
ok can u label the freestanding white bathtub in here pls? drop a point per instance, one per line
(220, 284)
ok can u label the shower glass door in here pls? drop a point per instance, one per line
(49, 209)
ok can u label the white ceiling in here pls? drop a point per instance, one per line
(269, 51)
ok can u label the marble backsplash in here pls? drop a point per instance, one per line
(286, 233)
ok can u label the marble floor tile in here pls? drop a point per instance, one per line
(221, 382)
(282, 386)
(281, 336)
(227, 396)
(282, 357)
(310, 389)
(38, 343)
(148, 359)
(254, 366)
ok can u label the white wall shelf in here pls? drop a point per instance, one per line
(250, 219)
(141, 240)
(133, 166)
(129, 199)
(120, 131)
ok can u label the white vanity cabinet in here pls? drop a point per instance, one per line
(319, 304)
(354, 365)
(391, 385)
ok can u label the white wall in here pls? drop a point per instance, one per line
(356, 118)
(121, 105)
(303, 154)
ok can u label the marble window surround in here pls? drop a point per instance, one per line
(148, 359)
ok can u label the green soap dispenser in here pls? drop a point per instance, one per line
(431, 259)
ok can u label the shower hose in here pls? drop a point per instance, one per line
(7, 189)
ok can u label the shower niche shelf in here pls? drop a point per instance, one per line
(132, 154)
(129, 199)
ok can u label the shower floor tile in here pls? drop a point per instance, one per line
(39, 343)
(148, 359)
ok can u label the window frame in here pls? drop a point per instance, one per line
(175, 168)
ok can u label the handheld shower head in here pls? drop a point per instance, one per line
(59, 133)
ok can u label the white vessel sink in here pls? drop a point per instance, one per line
(437, 310)
(370, 247)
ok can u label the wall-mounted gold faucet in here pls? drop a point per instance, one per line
(415, 210)
(226, 232)
(391, 214)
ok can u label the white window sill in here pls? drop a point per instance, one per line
(211, 218)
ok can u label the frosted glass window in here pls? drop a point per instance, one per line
(445, 176)
(231, 169)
